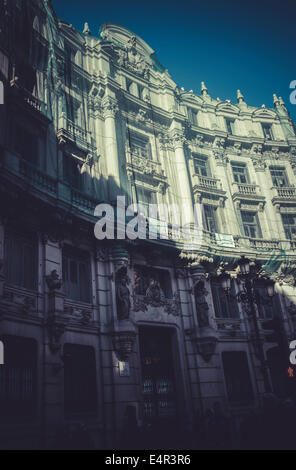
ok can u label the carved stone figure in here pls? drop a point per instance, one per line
(202, 307)
(123, 297)
(154, 292)
(53, 281)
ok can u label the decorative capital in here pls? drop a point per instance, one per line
(178, 140)
(206, 347)
(123, 344)
(110, 108)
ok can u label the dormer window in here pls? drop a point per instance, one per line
(230, 126)
(267, 131)
(192, 116)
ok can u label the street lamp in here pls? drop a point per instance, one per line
(269, 285)
(250, 296)
(244, 265)
(225, 281)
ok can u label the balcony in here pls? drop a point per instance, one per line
(247, 192)
(230, 327)
(23, 97)
(284, 194)
(83, 201)
(263, 245)
(71, 132)
(204, 186)
(144, 166)
(37, 178)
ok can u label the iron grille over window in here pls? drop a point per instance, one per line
(80, 388)
(21, 260)
(76, 275)
(18, 379)
(237, 376)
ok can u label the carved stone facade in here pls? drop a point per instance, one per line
(121, 126)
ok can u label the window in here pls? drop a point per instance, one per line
(132, 88)
(230, 126)
(145, 197)
(267, 307)
(76, 275)
(240, 173)
(192, 116)
(26, 145)
(267, 131)
(225, 305)
(144, 275)
(279, 176)
(18, 379)
(210, 218)
(251, 225)
(289, 223)
(140, 146)
(201, 165)
(237, 376)
(21, 260)
(80, 388)
(71, 173)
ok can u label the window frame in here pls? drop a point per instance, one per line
(230, 126)
(197, 159)
(16, 242)
(71, 257)
(245, 173)
(135, 141)
(289, 227)
(207, 225)
(275, 178)
(246, 394)
(225, 307)
(247, 225)
(268, 135)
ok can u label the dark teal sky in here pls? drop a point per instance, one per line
(229, 44)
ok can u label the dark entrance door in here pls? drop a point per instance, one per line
(158, 381)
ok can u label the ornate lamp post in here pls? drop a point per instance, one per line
(248, 295)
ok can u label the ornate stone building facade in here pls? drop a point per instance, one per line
(97, 332)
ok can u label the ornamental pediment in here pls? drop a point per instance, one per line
(227, 108)
(131, 52)
(264, 113)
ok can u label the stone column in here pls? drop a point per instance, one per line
(181, 171)
(110, 108)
